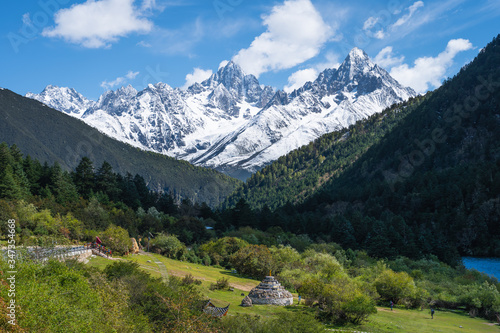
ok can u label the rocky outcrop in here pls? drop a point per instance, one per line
(246, 302)
(135, 246)
(270, 291)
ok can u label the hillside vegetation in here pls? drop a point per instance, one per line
(51, 136)
(339, 286)
(303, 172)
(428, 184)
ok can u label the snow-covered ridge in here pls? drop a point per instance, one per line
(229, 121)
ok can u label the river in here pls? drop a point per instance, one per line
(490, 266)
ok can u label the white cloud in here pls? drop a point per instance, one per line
(412, 9)
(385, 30)
(96, 24)
(131, 75)
(331, 61)
(428, 72)
(148, 5)
(119, 80)
(295, 33)
(198, 75)
(370, 23)
(380, 34)
(144, 44)
(385, 58)
(299, 78)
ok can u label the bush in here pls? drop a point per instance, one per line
(221, 249)
(168, 245)
(120, 269)
(483, 300)
(206, 260)
(398, 287)
(221, 284)
(254, 260)
(341, 300)
(290, 322)
(116, 239)
(188, 280)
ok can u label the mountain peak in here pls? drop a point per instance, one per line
(231, 65)
(229, 73)
(357, 53)
(128, 90)
(63, 98)
(357, 62)
(50, 87)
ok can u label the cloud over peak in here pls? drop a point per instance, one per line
(428, 72)
(119, 80)
(295, 33)
(97, 24)
(199, 75)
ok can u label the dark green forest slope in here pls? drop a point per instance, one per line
(429, 185)
(51, 136)
(304, 171)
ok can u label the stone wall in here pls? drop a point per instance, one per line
(273, 301)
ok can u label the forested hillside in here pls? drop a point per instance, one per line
(303, 172)
(51, 136)
(430, 185)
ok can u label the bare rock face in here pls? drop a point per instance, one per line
(246, 302)
(270, 291)
(135, 247)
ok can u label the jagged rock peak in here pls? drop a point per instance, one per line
(128, 90)
(358, 54)
(63, 98)
(231, 76)
(357, 62)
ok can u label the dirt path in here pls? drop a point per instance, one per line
(161, 266)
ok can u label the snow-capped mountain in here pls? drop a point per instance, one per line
(63, 99)
(230, 122)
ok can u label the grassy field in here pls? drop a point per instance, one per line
(384, 321)
(401, 320)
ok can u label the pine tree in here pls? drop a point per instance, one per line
(106, 181)
(84, 177)
(9, 188)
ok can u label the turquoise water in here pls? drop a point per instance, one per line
(490, 266)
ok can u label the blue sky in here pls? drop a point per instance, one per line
(97, 45)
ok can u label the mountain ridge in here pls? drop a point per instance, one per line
(230, 122)
(51, 136)
(428, 184)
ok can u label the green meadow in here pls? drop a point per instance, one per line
(384, 321)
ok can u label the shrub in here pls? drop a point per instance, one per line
(398, 287)
(116, 239)
(189, 280)
(220, 250)
(254, 260)
(340, 301)
(221, 284)
(168, 245)
(290, 322)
